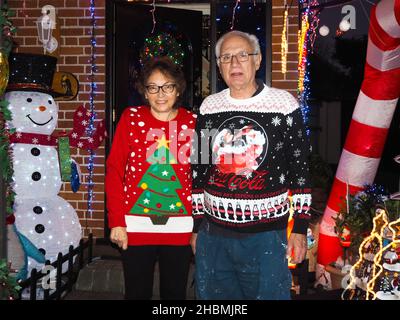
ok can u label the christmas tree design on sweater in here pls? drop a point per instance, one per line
(159, 198)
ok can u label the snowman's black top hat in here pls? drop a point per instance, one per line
(31, 72)
(34, 72)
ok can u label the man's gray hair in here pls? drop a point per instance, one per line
(251, 38)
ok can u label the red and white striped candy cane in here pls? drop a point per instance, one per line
(370, 123)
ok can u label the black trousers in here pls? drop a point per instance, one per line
(138, 263)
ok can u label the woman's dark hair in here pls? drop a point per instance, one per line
(168, 69)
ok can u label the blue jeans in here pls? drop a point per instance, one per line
(250, 268)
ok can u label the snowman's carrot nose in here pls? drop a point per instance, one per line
(42, 108)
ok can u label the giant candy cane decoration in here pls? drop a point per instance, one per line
(370, 122)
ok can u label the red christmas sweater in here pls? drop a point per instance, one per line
(148, 177)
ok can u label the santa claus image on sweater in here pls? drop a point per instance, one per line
(239, 151)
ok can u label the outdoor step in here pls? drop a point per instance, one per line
(105, 251)
(91, 295)
(101, 276)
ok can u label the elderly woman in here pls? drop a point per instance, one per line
(148, 185)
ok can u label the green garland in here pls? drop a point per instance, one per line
(9, 287)
(5, 156)
(7, 29)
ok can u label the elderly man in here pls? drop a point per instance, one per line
(251, 155)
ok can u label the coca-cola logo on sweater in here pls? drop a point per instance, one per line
(239, 146)
(254, 181)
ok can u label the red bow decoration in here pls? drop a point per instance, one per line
(10, 219)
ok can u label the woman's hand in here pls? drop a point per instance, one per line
(119, 236)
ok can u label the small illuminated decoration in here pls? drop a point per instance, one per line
(387, 263)
(45, 26)
(162, 44)
(324, 31)
(368, 251)
(376, 273)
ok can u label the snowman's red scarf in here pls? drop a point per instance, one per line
(33, 138)
(77, 137)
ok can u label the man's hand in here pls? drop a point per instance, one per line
(193, 240)
(120, 237)
(297, 248)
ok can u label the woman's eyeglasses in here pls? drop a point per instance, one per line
(166, 88)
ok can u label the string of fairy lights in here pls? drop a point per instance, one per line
(306, 39)
(93, 88)
(234, 13)
(284, 41)
(153, 14)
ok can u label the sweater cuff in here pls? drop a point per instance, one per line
(300, 226)
(116, 220)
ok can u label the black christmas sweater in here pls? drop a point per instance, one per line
(249, 156)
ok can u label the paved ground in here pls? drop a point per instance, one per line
(103, 280)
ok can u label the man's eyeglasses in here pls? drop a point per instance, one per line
(166, 88)
(241, 57)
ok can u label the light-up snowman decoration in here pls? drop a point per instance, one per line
(47, 220)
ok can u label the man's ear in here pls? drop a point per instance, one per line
(258, 61)
(219, 68)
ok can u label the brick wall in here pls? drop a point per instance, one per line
(74, 22)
